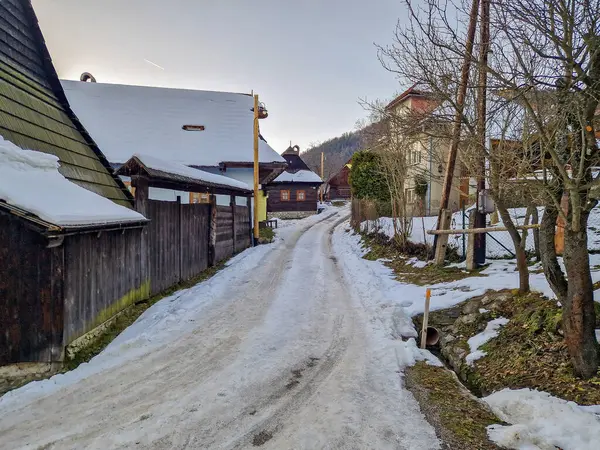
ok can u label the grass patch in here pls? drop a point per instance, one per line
(128, 317)
(338, 203)
(530, 352)
(459, 419)
(395, 256)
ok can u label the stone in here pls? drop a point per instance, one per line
(467, 318)
(446, 338)
(471, 307)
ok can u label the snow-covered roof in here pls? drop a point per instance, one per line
(189, 173)
(125, 119)
(30, 181)
(301, 176)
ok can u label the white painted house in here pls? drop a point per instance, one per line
(207, 130)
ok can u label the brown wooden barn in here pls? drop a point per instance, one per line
(61, 229)
(294, 193)
(338, 185)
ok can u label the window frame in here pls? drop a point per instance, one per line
(287, 191)
(303, 199)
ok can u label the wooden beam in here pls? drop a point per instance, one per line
(480, 230)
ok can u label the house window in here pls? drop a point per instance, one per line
(415, 157)
(410, 195)
(285, 196)
(300, 196)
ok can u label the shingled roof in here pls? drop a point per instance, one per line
(34, 111)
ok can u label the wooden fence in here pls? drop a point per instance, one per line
(179, 239)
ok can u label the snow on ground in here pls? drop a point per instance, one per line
(475, 342)
(495, 242)
(541, 421)
(31, 181)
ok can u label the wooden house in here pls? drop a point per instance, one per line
(66, 223)
(211, 131)
(293, 194)
(338, 185)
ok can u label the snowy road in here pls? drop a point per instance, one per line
(285, 357)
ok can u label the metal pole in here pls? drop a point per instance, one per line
(484, 41)
(256, 230)
(460, 100)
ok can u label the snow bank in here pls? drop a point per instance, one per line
(181, 169)
(541, 421)
(31, 181)
(301, 176)
(490, 332)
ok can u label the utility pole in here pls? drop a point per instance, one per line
(480, 214)
(256, 230)
(322, 172)
(442, 240)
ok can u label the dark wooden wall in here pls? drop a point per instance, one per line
(224, 247)
(275, 204)
(31, 307)
(51, 296)
(242, 228)
(339, 185)
(102, 277)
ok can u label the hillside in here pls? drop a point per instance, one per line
(337, 152)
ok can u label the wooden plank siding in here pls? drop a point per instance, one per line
(224, 247)
(276, 204)
(31, 306)
(163, 245)
(102, 277)
(195, 229)
(242, 232)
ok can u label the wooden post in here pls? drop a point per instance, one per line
(232, 204)
(470, 256)
(212, 242)
(442, 239)
(559, 237)
(456, 127)
(425, 319)
(256, 172)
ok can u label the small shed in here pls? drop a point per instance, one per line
(69, 258)
(294, 193)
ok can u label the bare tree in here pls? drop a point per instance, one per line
(544, 81)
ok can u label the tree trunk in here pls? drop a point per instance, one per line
(579, 317)
(552, 270)
(519, 251)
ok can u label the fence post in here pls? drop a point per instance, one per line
(142, 190)
(442, 239)
(470, 255)
(249, 205)
(212, 234)
(232, 205)
(180, 231)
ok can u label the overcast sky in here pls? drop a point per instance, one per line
(308, 60)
